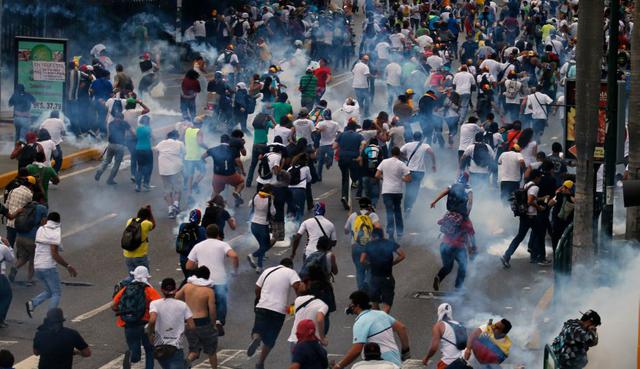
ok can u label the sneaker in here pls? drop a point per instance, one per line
(3, 325)
(505, 262)
(219, 328)
(97, 176)
(253, 346)
(133, 179)
(545, 263)
(239, 200)
(146, 188)
(111, 182)
(258, 270)
(137, 188)
(436, 283)
(252, 261)
(29, 306)
(29, 283)
(12, 274)
(345, 203)
(126, 361)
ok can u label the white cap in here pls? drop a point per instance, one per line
(141, 273)
(445, 310)
(245, 15)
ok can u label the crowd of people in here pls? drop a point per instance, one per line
(470, 80)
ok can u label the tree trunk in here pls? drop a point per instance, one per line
(588, 63)
(633, 213)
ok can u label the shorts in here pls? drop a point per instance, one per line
(204, 338)
(172, 183)
(191, 166)
(25, 248)
(381, 289)
(268, 324)
(220, 181)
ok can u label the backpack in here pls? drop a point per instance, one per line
(260, 120)
(481, 155)
(512, 89)
(373, 157)
(457, 199)
(520, 201)
(133, 303)
(487, 139)
(362, 228)
(315, 267)
(485, 84)
(187, 238)
(264, 170)
(250, 105)
(116, 107)
(27, 154)
(460, 333)
(26, 220)
(132, 235)
(295, 175)
(450, 223)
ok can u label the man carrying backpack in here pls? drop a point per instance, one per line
(31, 217)
(371, 156)
(380, 255)
(457, 229)
(479, 157)
(17, 198)
(416, 152)
(135, 240)
(43, 174)
(225, 164)
(262, 210)
(189, 234)
(261, 124)
(447, 335)
(131, 305)
(314, 228)
(393, 172)
(360, 226)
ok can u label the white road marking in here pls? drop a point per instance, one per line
(83, 227)
(92, 313)
(326, 194)
(343, 81)
(88, 169)
(7, 343)
(29, 363)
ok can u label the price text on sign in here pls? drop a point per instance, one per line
(48, 71)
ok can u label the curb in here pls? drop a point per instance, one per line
(69, 161)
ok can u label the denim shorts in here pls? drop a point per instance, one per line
(268, 324)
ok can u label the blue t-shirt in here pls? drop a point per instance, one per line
(41, 213)
(143, 137)
(223, 160)
(102, 88)
(349, 143)
(376, 326)
(380, 257)
(310, 355)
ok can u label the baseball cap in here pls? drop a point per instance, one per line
(568, 184)
(55, 315)
(592, 316)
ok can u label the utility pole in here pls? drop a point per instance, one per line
(612, 126)
(178, 34)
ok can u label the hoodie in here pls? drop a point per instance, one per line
(47, 235)
(350, 111)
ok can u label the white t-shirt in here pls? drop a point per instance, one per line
(509, 168)
(305, 176)
(47, 235)
(260, 205)
(171, 315)
(360, 73)
(468, 135)
(528, 154)
(55, 127)
(313, 231)
(374, 364)
(274, 295)
(495, 67)
(393, 74)
(397, 40)
(212, 253)
(393, 170)
(274, 160)
(170, 157)
(435, 62)
(199, 29)
(382, 49)
(473, 167)
(424, 41)
(463, 82)
(537, 107)
(131, 116)
(283, 132)
(418, 162)
(47, 146)
(309, 311)
(532, 190)
(109, 105)
(328, 133)
(303, 127)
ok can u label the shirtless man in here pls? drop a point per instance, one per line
(199, 296)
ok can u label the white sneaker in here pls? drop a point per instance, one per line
(252, 260)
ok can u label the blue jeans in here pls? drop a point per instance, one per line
(176, 361)
(5, 297)
(261, 233)
(361, 270)
(537, 232)
(256, 151)
(132, 263)
(295, 203)
(136, 337)
(364, 99)
(22, 125)
(393, 208)
(52, 289)
(325, 157)
(221, 291)
(449, 255)
(57, 156)
(371, 187)
(114, 152)
(465, 99)
(144, 160)
(413, 188)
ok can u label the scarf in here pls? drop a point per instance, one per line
(201, 282)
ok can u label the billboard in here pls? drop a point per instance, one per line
(41, 68)
(570, 122)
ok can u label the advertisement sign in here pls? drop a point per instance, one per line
(41, 68)
(570, 121)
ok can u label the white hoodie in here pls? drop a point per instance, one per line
(47, 235)
(349, 111)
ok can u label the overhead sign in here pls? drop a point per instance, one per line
(41, 69)
(570, 122)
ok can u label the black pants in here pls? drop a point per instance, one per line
(348, 168)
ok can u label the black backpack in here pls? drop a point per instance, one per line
(457, 199)
(132, 235)
(485, 84)
(481, 155)
(487, 138)
(520, 201)
(315, 267)
(260, 120)
(27, 155)
(186, 239)
(295, 175)
(250, 104)
(133, 303)
(460, 333)
(264, 170)
(26, 220)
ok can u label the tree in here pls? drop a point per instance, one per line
(588, 64)
(633, 213)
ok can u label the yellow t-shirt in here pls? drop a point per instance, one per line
(141, 251)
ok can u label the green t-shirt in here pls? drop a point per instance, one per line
(308, 86)
(46, 172)
(260, 136)
(280, 109)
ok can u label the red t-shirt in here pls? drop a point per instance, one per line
(322, 73)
